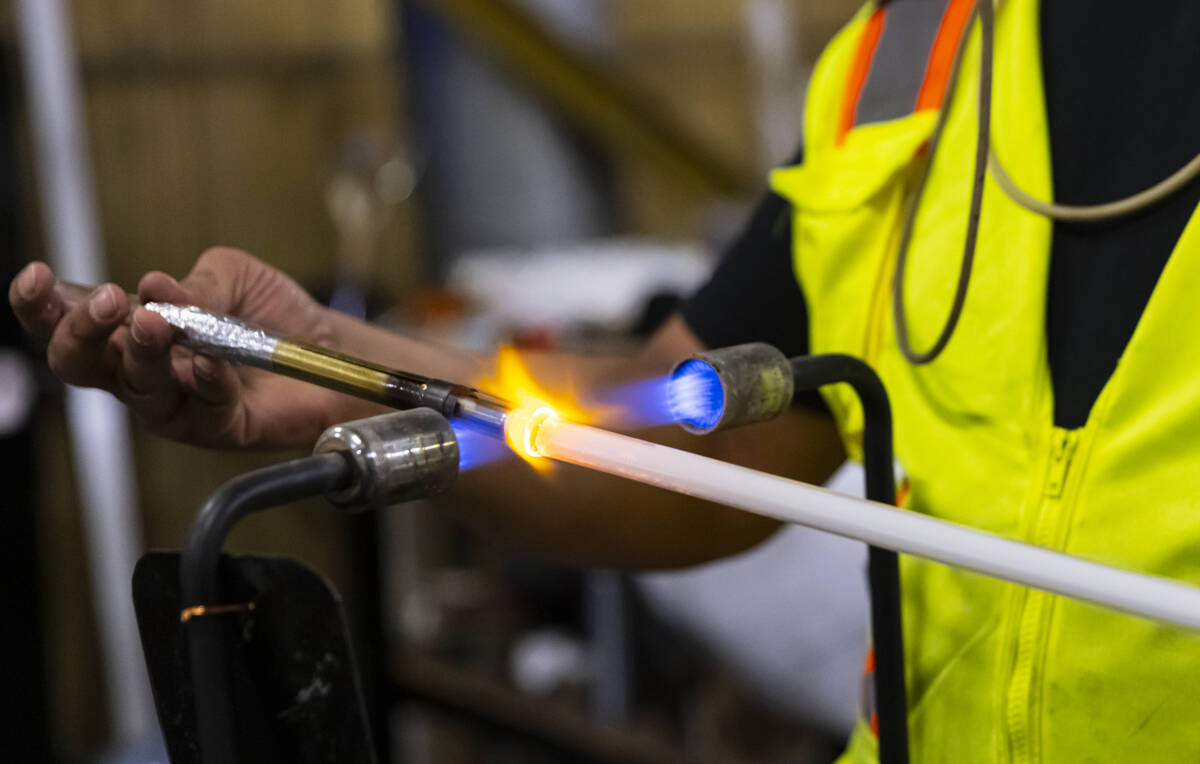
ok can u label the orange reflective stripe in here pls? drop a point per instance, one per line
(941, 58)
(868, 708)
(858, 72)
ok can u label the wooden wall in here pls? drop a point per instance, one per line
(217, 121)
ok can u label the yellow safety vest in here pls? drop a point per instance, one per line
(998, 672)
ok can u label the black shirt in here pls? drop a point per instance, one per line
(1122, 84)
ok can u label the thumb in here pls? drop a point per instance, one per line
(157, 286)
(212, 283)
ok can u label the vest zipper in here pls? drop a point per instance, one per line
(1063, 448)
(1022, 696)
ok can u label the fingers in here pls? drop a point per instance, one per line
(146, 381)
(167, 386)
(214, 381)
(79, 350)
(34, 301)
(172, 390)
(213, 283)
(99, 339)
(157, 286)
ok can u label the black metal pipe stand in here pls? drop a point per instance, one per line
(883, 569)
(239, 497)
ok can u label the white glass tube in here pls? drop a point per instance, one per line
(908, 532)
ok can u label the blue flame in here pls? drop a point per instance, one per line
(640, 404)
(695, 395)
(477, 444)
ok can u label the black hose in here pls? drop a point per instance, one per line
(883, 569)
(984, 11)
(199, 584)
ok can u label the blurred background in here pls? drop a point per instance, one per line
(406, 161)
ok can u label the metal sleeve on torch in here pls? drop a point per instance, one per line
(756, 382)
(396, 457)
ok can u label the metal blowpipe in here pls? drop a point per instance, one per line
(227, 337)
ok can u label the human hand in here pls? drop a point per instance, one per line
(109, 342)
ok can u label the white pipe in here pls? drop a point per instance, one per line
(795, 502)
(97, 422)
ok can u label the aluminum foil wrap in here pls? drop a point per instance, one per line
(220, 335)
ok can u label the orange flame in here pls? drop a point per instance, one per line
(514, 382)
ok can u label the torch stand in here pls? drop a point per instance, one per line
(295, 691)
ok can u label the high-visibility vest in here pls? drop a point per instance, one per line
(997, 672)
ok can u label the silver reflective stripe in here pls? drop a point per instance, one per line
(898, 66)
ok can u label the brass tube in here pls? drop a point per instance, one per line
(341, 373)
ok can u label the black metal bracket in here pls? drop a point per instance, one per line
(883, 569)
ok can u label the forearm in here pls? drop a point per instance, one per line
(381, 346)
